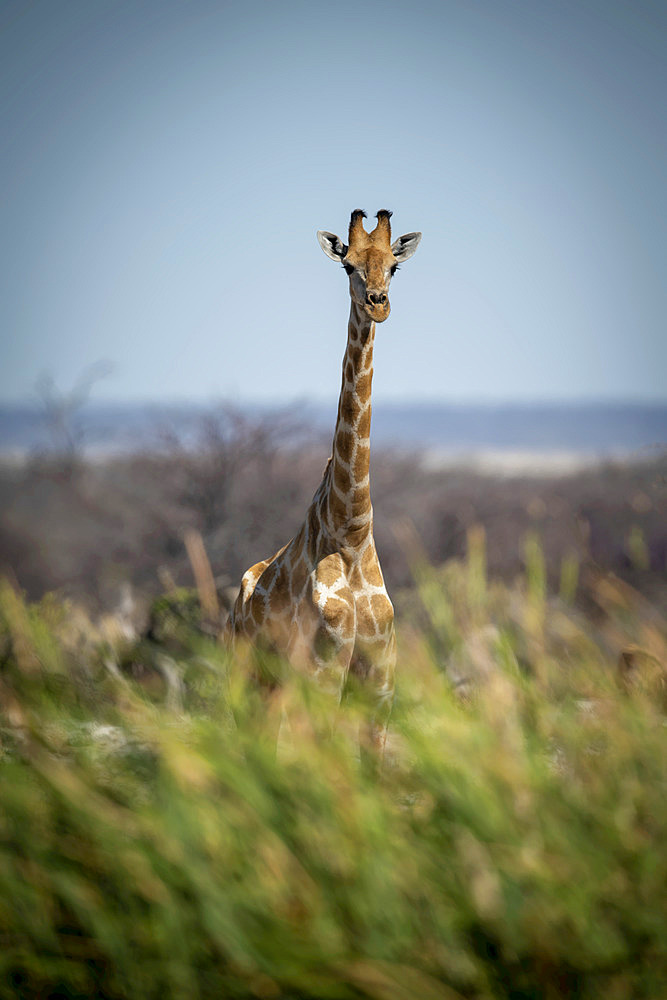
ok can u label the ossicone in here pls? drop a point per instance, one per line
(356, 228)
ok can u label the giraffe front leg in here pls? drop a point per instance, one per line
(321, 655)
(326, 625)
(330, 664)
(375, 668)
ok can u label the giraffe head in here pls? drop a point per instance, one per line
(370, 260)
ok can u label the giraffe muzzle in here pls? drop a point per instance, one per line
(377, 306)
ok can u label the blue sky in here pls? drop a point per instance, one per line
(165, 167)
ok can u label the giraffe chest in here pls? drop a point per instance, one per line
(353, 592)
(292, 599)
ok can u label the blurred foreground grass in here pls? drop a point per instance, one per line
(152, 845)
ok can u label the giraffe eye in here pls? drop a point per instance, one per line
(348, 268)
(394, 269)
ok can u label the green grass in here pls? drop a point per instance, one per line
(154, 846)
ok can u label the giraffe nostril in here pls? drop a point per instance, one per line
(376, 298)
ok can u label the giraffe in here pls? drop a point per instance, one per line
(321, 599)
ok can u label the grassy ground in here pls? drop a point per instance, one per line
(153, 845)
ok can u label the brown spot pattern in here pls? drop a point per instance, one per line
(363, 386)
(381, 608)
(365, 622)
(341, 478)
(337, 613)
(329, 569)
(361, 462)
(349, 409)
(364, 424)
(345, 442)
(371, 568)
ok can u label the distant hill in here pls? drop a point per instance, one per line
(585, 428)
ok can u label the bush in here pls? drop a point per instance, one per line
(513, 846)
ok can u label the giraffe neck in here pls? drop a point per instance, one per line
(349, 499)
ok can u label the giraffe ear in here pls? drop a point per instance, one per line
(332, 245)
(405, 246)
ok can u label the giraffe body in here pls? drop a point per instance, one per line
(321, 599)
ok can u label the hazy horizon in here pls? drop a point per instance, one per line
(34, 400)
(540, 433)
